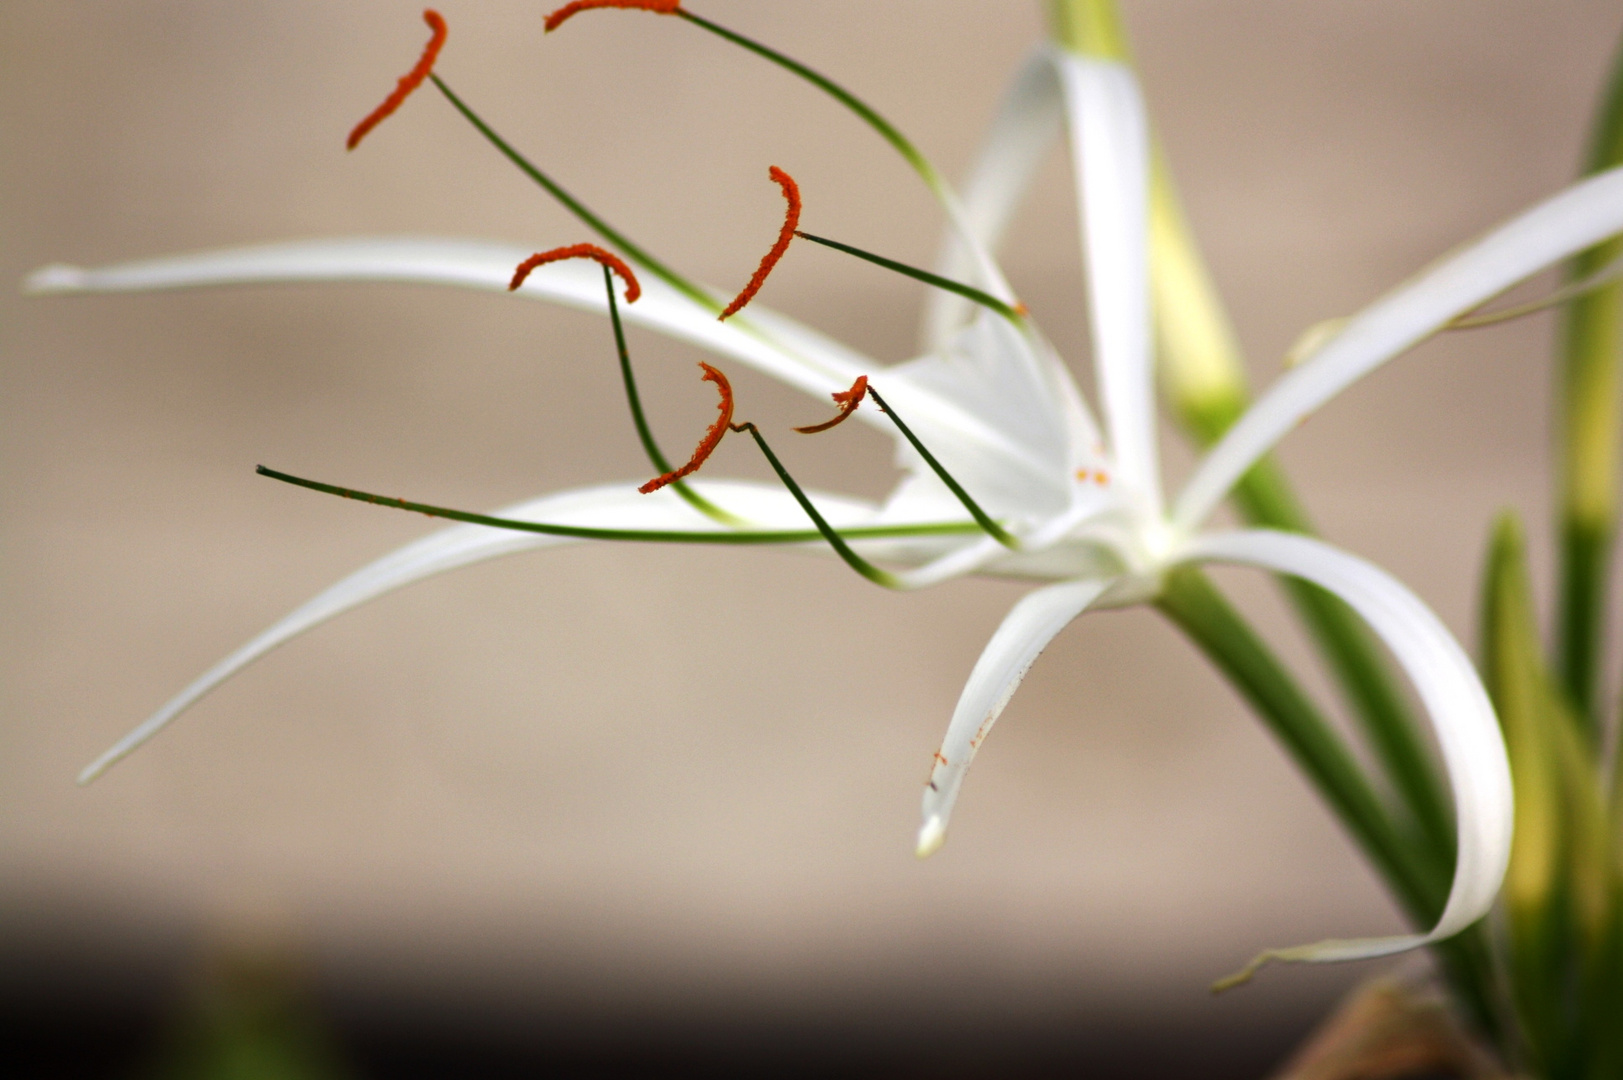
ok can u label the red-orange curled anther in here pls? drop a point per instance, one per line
(658, 7)
(580, 251)
(707, 445)
(791, 221)
(410, 81)
(847, 400)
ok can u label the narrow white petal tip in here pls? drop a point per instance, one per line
(109, 757)
(58, 277)
(1243, 976)
(931, 836)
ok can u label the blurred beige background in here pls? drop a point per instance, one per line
(621, 777)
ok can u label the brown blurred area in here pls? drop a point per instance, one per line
(613, 790)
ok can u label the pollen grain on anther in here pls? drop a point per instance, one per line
(579, 251)
(847, 400)
(658, 7)
(791, 222)
(410, 81)
(712, 437)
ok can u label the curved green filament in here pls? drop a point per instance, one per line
(968, 292)
(992, 528)
(579, 209)
(865, 112)
(835, 540)
(644, 432)
(668, 536)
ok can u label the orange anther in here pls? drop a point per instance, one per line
(658, 7)
(580, 251)
(847, 400)
(791, 220)
(711, 437)
(410, 81)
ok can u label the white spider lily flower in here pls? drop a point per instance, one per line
(1002, 413)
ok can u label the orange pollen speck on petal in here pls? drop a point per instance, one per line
(658, 7)
(791, 221)
(579, 251)
(847, 400)
(410, 81)
(707, 445)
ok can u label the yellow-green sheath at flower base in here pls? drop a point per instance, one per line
(1589, 425)
(1561, 886)
(1088, 27)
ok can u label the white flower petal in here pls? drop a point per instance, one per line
(1110, 157)
(1461, 716)
(619, 506)
(767, 341)
(1567, 223)
(811, 363)
(1025, 632)
(1020, 137)
(1010, 441)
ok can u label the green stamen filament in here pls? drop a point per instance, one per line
(1015, 313)
(990, 527)
(644, 433)
(835, 540)
(576, 207)
(669, 536)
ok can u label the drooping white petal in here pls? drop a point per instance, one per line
(1561, 226)
(1110, 157)
(1456, 704)
(1025, 632)
(619, 506)
(1020, 137)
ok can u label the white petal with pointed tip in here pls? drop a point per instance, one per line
(1459, 710)
(1561, 226)
(1020, 137)
(1110, 152)
(474, 265)
(765, 340)
(1025, 632)
(619, 506)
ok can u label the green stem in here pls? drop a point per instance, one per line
(1190, 600)
(1589, 422)
(1192, 603)
(1264, 497)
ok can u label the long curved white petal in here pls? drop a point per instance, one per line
(765, 340)
(1020, 137)
(1461, 716)
(619, 506)
(1025, 632)
(1561, 226)
(1110, 157)
(808, 365)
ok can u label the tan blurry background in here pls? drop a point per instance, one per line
(619, 778)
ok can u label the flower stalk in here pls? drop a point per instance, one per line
(1589, 405)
